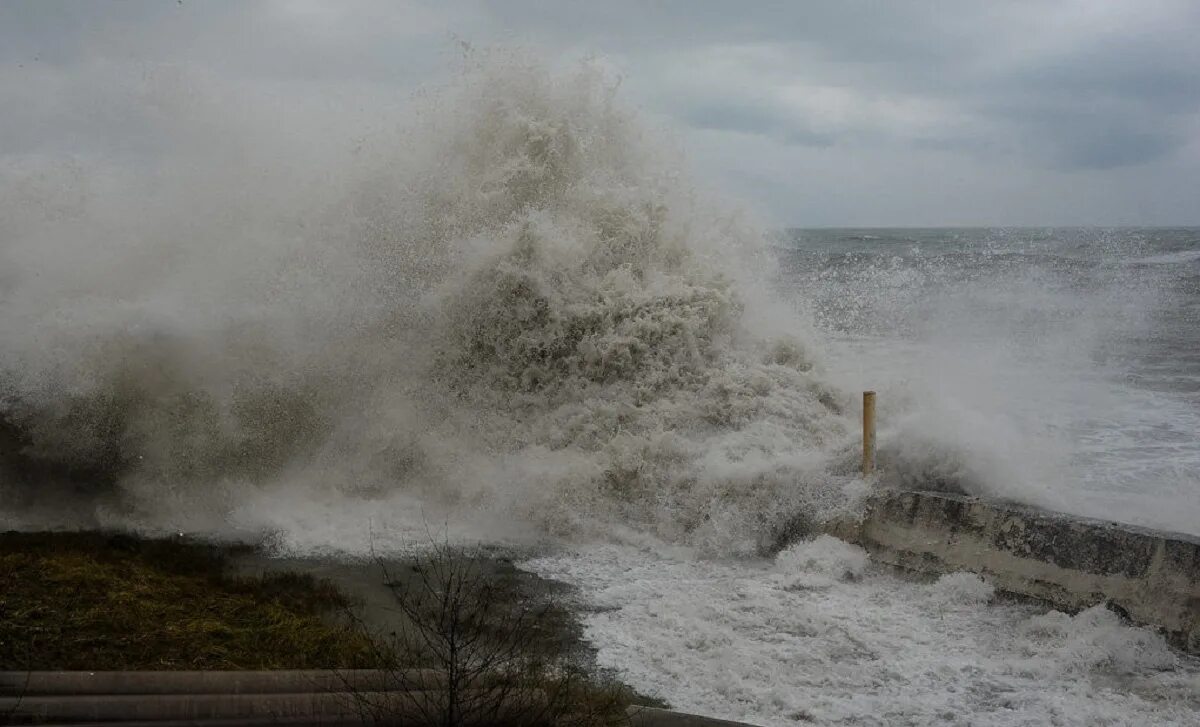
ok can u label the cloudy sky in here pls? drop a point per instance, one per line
(1016, 112)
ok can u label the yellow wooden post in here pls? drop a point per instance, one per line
(868, 461)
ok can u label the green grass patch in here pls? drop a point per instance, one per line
(101, 602)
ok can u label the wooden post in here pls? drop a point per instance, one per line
(868, 460)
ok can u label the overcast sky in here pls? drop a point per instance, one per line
(998, 112)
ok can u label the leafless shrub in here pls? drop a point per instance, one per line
(473, 654)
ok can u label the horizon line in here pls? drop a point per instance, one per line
(1192, 226)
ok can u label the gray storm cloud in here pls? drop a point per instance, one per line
(914, 113)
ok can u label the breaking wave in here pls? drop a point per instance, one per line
(513, 305)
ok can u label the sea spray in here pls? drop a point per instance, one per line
(516, 303)
(1050, 367)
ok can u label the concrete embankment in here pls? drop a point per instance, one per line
(1068, 561)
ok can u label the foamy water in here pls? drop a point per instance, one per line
(819, 637)
(1050, 366)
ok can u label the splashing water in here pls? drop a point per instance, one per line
(515, 303)
(1054, 367)
(511, 307)
(813, 638)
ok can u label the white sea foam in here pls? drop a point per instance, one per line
(739, 640)
(821, 561)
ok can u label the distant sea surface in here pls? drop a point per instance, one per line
(1061, 365)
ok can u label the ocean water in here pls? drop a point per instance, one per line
(509, 310)
(1064, 361)
(1058, 367)
(818, 636)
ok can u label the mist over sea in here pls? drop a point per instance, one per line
(513, 307)
(1064, 363)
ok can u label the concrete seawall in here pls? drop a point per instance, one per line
(1068, 561)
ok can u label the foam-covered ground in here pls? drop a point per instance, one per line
(820, 636)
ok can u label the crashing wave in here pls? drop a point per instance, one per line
(519, 305)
